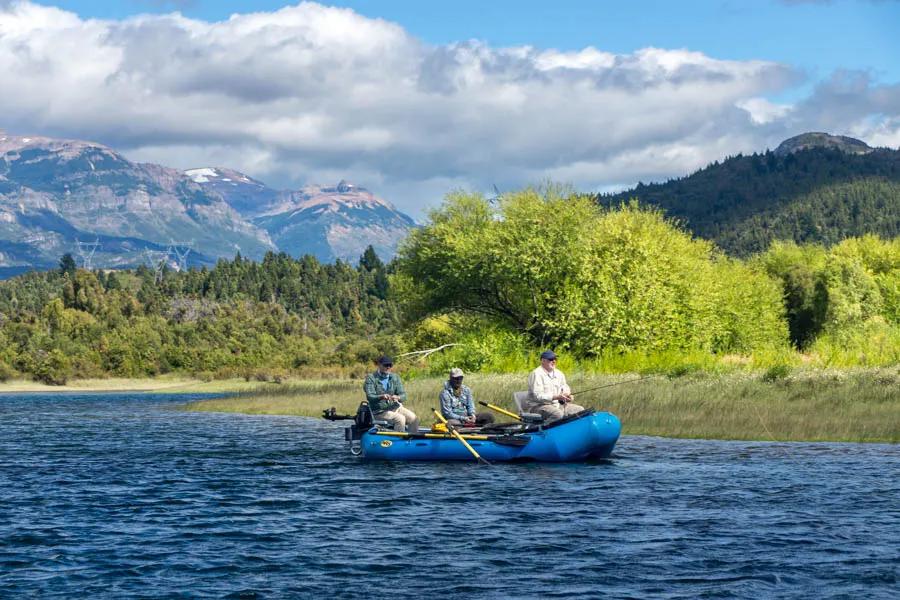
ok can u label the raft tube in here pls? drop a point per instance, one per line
(587, 435)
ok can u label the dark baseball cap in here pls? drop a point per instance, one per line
(548, 354)
(386, 361)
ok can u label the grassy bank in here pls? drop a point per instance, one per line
(816, 405)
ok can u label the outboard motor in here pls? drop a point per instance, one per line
(362, 422)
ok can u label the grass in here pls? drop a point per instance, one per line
(776, 404)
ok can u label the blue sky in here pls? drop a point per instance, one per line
(413, 99)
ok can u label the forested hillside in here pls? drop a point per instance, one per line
(275, 315)
(820, 195)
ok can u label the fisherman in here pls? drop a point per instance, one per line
(548, 393)
(385, 394)
(458, 405)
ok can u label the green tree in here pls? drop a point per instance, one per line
(67, 265)
(565, 272)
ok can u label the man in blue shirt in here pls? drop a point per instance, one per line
(458, 405)
(385, 394)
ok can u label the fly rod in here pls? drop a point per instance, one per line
(600, 387)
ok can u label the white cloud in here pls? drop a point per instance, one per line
(312, 93)
(762, 111)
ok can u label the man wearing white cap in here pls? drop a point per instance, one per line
(458, 405)
(548, 393)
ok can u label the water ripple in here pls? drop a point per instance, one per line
(121, 496)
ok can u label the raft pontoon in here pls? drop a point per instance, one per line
(583, 436)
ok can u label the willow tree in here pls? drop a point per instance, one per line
(564, 271)
(837, 291)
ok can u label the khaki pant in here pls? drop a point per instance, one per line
(401, 419)
(555, 411)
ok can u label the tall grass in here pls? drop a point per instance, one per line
(774, 404)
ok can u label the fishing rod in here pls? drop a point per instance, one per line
(600, 387)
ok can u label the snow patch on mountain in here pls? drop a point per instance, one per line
(201, 175)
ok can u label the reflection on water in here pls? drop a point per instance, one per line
(121, 496)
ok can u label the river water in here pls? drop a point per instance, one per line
(125, 496)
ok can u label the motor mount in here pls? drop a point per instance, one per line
(362, 421)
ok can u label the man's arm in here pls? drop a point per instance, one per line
(398, 387)
(564, 389)
(371, 391)
(563, 385)
(470, 403)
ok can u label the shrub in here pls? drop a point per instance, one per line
(776, 372)
(52, 368)
(556, 268)
(6, 372)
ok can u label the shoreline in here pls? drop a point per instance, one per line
(810, 406)
(819, 406)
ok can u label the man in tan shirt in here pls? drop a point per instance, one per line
(548, 393)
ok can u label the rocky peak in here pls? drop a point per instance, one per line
(342, 196)
(221, 175)
(815, 139)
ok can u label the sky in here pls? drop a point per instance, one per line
(415, 99)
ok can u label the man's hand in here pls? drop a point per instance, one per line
(469, 420)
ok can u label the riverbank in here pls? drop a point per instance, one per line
(815, 405)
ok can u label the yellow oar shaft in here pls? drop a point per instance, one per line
(502, 411)
(444, 436)
(458, 436)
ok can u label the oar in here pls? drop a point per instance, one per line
(502, 411)
(455, 434)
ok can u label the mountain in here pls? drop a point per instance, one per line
(69, 196)
(330, 222)
(243, 193)
(813, 188)
(56, 193)
(815, 139)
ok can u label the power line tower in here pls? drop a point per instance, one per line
(498, 195)
(86, 252)
(156, 260)
(179, 251)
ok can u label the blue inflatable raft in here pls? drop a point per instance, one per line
(584, 436)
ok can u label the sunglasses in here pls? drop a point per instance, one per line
(387, 365)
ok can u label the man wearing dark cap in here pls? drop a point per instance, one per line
(458, 404)
(548, 393)
(385, 394)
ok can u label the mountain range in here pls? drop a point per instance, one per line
(59, 196)
(814, 187)
(326, 221)
(68, 196)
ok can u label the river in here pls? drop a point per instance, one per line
(112, 495)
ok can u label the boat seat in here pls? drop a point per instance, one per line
(519, 399)
(377, 422)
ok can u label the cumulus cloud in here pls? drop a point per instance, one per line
(311, 93)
